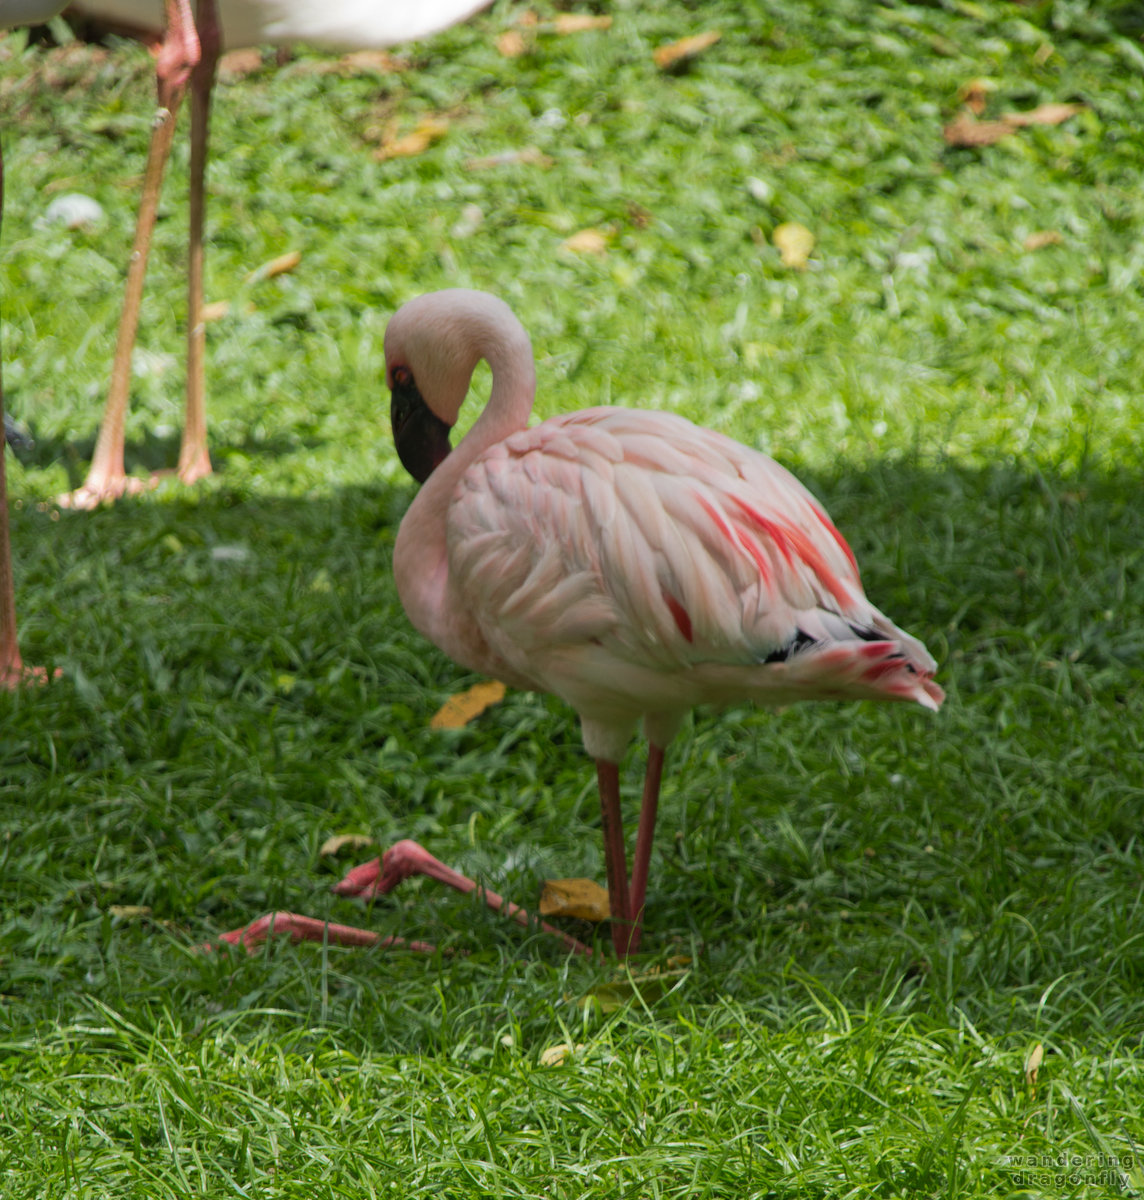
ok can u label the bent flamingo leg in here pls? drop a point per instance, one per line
(406, 858)
(176, 57)
(311, 929)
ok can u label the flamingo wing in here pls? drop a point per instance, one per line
(649, 543)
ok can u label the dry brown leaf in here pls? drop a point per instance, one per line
(413, 143)
(794, 243)
(675, 53)
(1033, 1064)
(130, 912)
(582, 898)
(236, 64)
(511, 44)
(566, 23)
(1042, 238)
(587, 241)
(214, 311)
(340, 841)
(276, 266)
(686, 48)
(459, 710)
(966, 130)
(1043, 114)
(530, 156)
(974, 94)
(380, 62)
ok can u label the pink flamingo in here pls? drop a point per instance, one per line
(630, 562)
(187, 48)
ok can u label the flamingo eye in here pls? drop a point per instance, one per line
(401, 376)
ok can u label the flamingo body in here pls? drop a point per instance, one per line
(335, 24)
(628, 561)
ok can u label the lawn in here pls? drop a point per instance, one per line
(889, 953)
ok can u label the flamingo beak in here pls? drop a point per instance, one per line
(421, 437)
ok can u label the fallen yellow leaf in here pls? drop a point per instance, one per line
(583, 898)
(1042, 238)
(555, 1055)
(339, 841)
(511, 44)
(215, 311)
(794, 243)
(530, 156)
(276, 266)
(566, 23)
(587, 241)
(380, 61)
(235, 64)
(966, 130)
(686, 48)
(1033, 1064)
(1043, 114)
(413, 143)
(459, 710)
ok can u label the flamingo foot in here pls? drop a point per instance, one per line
(16, 675)
(196, 468)
(381, 875)
(310, 929)
(406, 858)
(97, 491)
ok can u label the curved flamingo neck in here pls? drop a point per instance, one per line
(420, 553)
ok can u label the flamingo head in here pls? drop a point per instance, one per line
(420, 436)
(432, 346)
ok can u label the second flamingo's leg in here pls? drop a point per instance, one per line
(177, 55)
(194, 459)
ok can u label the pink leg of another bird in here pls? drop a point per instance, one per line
(310, 929)
(194, 460)
(177, 55)
(644, 839)
(615, 857)
(407, 858)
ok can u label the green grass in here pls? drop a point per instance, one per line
(885, 911)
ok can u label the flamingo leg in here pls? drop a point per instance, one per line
(615, 857)
(310, 929)
(176, 57)
(407, 858)
(644, 839)
(194, 460)
(377, 878)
